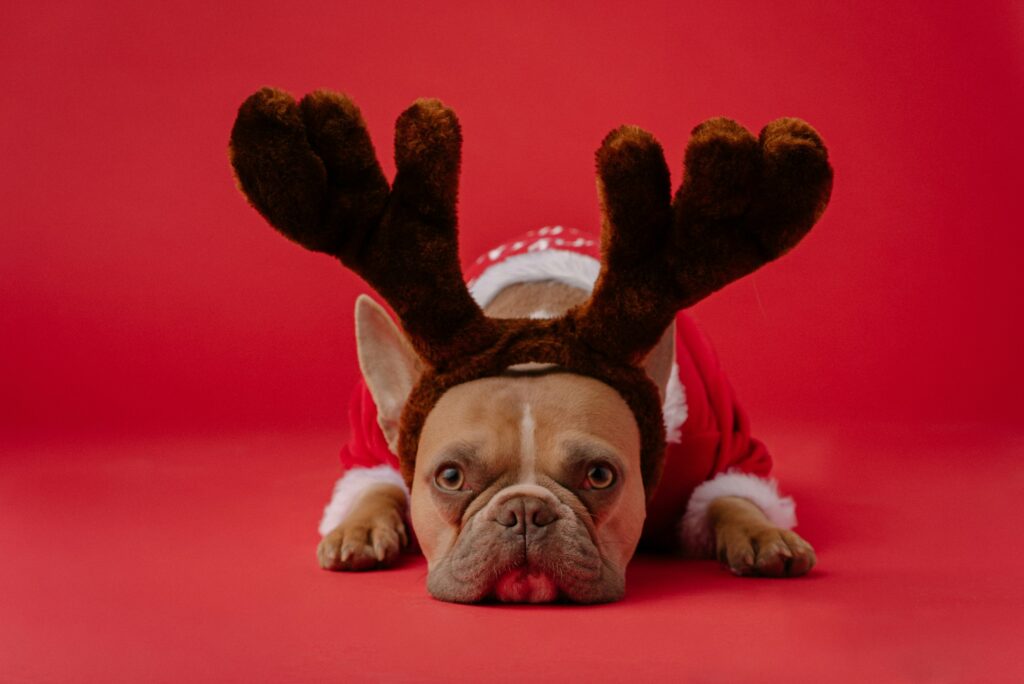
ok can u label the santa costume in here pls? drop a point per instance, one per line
(709, 453)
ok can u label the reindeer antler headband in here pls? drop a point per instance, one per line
(310, 169)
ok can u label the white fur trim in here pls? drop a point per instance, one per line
(763, 493)
(352, 485)
(571, 268)
(674, 411)
(576, 270)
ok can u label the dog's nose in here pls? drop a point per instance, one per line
(525, 512)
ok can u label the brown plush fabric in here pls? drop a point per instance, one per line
(311, 170)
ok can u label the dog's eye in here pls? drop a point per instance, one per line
(599, 476)
(449, 478)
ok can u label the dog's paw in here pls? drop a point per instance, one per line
(764, 551)
(364, 542)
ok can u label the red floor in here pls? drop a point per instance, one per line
(193, 560)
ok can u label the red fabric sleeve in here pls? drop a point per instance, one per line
(714, 438)
(737, 448)
(366, 446)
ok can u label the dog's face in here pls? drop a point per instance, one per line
(527, 485)
(528, 488)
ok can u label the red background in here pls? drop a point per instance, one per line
(174, 373)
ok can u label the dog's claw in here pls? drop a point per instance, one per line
(385, 544)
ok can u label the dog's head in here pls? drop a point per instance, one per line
(545, 495)
(527, 485)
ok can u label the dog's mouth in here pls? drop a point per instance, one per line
(525, 585)
(559, 562)
(544, 579)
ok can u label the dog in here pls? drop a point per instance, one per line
(514, 423)
(519, 423)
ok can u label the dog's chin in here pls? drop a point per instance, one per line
(561, 563)
(525, 585)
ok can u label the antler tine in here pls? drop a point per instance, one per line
(632, 303)
(414, 257)
(310, 169)
(743, 202)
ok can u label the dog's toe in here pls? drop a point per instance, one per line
(773, 555)
(357, 554)
(804, 557)
(328, 553)
(386, 544)
(736, 551)
(782, 553)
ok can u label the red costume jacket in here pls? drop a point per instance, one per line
(710, 448)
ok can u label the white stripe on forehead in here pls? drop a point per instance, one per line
(527, 447)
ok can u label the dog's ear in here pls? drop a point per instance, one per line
(390, 366)
(658, 363)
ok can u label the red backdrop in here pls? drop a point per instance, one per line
(140, 296)
(140, 292)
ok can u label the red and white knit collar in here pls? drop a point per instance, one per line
(557, 253)
(569, 256)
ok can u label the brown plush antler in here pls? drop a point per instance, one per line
(311, 170)
(743, 202)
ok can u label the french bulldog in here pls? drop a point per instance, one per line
(535, 425)
(528, 484)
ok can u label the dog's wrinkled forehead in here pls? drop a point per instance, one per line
(628, 388)
(529, 423)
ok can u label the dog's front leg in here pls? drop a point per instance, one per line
(749, 544)
(371, 534)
